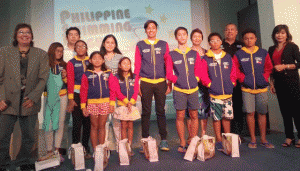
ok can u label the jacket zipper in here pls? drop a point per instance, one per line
(100, 86)
(220, 66)
(186, 70)
(253, 73)
(127, 86)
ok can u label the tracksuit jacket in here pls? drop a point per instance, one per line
(186, 68)
(95, 89)
(253, 69)
(150, 60)
(126, 91)
(75, 69)
(219, 78)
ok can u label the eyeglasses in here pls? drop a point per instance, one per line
(215, 41)
(81, 47)
(24, 33)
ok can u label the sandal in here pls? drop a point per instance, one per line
(298, 144)
(285, 144)
(181, 149)
(252, 145)
(267, 145)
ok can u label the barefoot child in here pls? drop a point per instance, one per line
(95, 97)
(220, 78)
(127, 89)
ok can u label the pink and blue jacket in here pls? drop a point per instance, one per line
(150, 60)
(126, 91)
(75, 69)
(220, 79)
(187, 68)
(95, 89)
(253, 69)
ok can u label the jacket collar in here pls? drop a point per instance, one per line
(211, 54)
(148, 42)
(78, 59)
(186, 50)
(256, 48)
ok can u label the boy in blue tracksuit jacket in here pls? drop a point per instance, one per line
(254, 67)
(220, 78)
(186, 64)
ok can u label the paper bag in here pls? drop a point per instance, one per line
(206, 148)
(124, 152)
(53, 162)
(102, 154)
(76, 153)
(231, 144)
(191, 152)
(150, 149)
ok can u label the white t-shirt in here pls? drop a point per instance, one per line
(99, 73)
(151, 41)
(218, 57)
(68, 54)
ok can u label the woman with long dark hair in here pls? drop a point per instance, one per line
(110, 51)
(285, 80)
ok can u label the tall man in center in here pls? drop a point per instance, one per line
(150, 65)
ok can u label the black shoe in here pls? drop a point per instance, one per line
(27, 167)
(1, 169)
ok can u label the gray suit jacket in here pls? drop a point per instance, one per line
(10, 79)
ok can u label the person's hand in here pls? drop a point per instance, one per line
(129, 106)
(140, 92)
(85, 113)
(71, 105)
(3, 105)
(272, 89)
(169, 88)
(63, 74)
(28, 103)
(111, 109)
(280, 68)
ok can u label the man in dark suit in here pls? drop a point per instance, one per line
(24, 71)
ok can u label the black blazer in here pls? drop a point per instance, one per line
(290, 55)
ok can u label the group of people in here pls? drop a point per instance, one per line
(231, 77)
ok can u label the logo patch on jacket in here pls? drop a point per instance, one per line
(157, 50)
(78, 65)
(245, 59)
(212, 64)
(105, 77)
(191, 60)
(239, 46)
(226, 65)
(92, 76)
(146, 50)
(178, 62)
(258, 60)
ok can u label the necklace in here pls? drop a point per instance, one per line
(24, 53)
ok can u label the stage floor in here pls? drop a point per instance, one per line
(250, 159)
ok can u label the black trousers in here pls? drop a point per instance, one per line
(78, 121)
(288, 94)
(158, 90)
(28, 153)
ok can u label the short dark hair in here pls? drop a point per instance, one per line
(72, 28)
(277, 29)
(102, 48)
(213, 34)
(196, 31)
(180, 28)
(248, 30)
(148, 22)
(231, 24)
(17, 28)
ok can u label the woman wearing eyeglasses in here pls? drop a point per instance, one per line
(24, 71)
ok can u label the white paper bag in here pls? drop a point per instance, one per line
(124, 150)
(206, 148)
(191, 152)
(101, 157)
(231, 144)
(76, 153)
(150, 149)
(53, 162)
